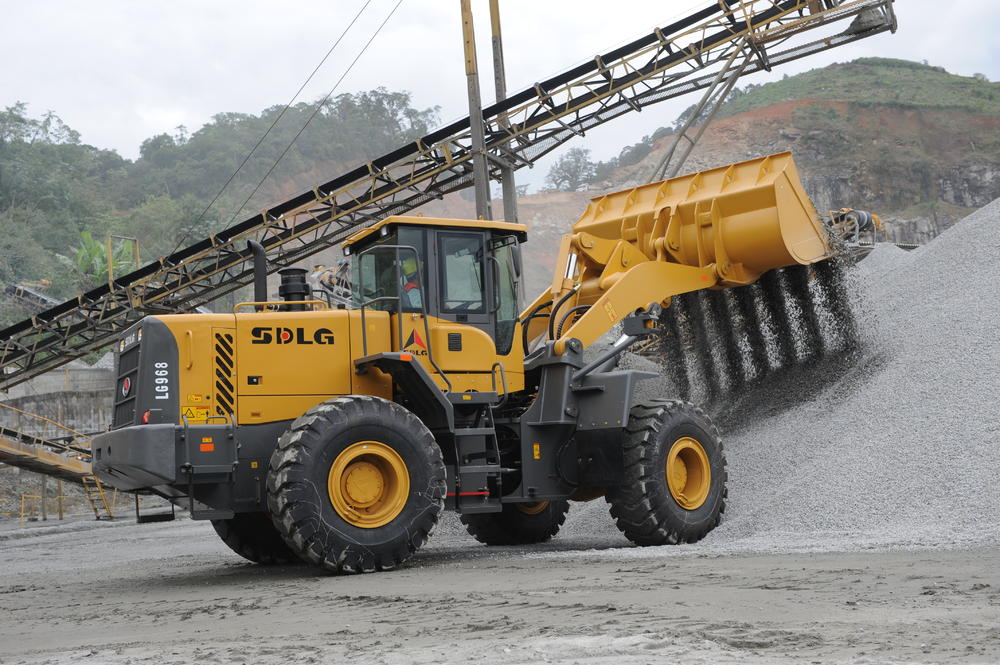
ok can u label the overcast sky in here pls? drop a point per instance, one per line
(120, 71)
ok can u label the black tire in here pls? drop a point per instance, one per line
(514, 526)
(644, 507)
(302, 505)
(253, 537)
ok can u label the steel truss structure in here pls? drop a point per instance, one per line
(669, 62)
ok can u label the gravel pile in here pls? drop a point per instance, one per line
(903, 449)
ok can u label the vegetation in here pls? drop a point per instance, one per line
(865, 84)
(571, 171)
(59, 198)
(88, 263)
(879, 81)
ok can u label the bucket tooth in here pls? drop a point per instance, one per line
(725, 332)
(781, 323)
(673, 350)
(702, 346)
(797, 280)
(831, 281)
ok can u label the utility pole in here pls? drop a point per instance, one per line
(480, 167)
(500, 78)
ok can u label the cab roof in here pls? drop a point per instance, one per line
(509, 228)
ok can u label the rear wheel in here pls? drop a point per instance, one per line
(356, 484)
(675, 475)
(253, 537)
(518, 523)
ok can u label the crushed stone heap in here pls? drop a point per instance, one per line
(901, 450)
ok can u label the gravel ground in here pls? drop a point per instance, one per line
(862, 527)
(159, 594)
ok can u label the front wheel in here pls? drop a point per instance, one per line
(674, 489)
(356, 484)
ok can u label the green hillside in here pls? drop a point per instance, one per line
(60, 198)
(863, 83)
(877, 81)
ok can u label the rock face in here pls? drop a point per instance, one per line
(911, 142)
(919, 169)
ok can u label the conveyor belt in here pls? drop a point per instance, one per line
(669, 62)
(16, 450)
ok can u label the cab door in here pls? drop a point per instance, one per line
(476, 303)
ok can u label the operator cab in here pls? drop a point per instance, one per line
(462, 271)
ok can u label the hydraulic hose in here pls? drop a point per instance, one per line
(527, 319)
(562, 321)
(555, 310)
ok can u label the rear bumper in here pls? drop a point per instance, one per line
(140, 457)
(157, 457)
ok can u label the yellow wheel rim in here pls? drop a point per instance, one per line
(689, 475)
(532, 508)
(368, 484)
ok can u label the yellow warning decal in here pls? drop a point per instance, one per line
(537, 451)
(609, 308)
(195, 412)
(194, 397)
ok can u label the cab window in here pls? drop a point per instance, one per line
(379, 275)
(461, 256)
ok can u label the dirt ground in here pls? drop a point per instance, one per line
(173, 593)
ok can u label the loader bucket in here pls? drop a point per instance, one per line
(746, 219)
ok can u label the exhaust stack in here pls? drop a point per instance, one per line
(259, 271)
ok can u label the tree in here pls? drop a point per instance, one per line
(88, 265)
(571, 171)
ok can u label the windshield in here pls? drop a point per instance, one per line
(462, 272)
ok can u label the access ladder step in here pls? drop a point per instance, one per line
(475, 431)
(473, 398)
(480, 468)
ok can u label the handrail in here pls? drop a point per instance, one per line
(503, 383)
(276, 305)
(48, 420)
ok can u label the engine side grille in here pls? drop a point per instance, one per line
(124, 414)
(225, 371)
(128, 369)
(128, 361)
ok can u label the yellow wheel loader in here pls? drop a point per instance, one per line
(338, 435)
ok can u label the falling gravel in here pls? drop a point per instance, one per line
(901, 449)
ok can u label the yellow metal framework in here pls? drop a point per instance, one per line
(66, 459)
